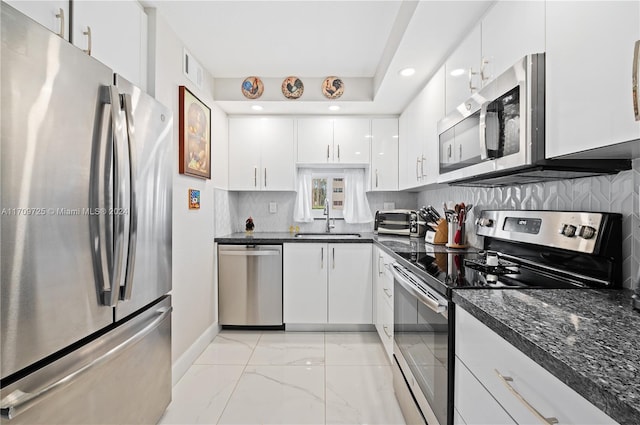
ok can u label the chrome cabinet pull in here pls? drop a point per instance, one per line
(338, 152)
(460, 149)
(634, 80)
(422, 166)
(265, 177)
(88, 34)
(471, 74)
(380, 271)
(334, 257)
(449, 151)
(506, 381)
(376, 177)
(322, 258)
(417, 168)
(327, 153)
(255, 176)
(60, 15)
(483, 65)
(386, 331)
(387, 292)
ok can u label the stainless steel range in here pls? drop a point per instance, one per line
(521, 249)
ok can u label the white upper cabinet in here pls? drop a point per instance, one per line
(52, 14)
(589, 59)
(463, 70)
(419, 121)
(329, 140)
(261, 154)
(403, 149)
(115, 33)
(510, 31)
(351, 140)
(315, 140)
(384, 154)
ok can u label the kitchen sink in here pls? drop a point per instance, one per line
(327, 235)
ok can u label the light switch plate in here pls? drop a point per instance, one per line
(273, 207)
(389, 206)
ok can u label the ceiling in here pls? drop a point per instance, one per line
(364, 41)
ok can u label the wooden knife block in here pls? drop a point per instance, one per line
(441, 236)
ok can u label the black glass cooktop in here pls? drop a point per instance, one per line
(467, 270)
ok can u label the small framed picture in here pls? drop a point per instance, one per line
(194, 199)
(194, 122)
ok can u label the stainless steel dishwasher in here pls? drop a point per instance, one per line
(250, 285)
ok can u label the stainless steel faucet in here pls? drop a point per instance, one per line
(326, 212)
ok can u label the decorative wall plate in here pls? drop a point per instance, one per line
(292, 87)
(332, 87)
(252, 87)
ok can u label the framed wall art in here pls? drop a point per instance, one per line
(195, 135)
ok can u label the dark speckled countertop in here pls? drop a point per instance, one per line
(282, 237)
(588, 339)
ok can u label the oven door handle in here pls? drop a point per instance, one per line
(430, 299)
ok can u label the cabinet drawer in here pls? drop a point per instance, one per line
(473, 402)
(384, 325)
(518, 383)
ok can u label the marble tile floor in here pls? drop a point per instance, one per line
(248, 377)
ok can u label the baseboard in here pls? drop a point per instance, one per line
(329, 327)
(185, 361)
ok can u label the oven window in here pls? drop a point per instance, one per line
(422, 336)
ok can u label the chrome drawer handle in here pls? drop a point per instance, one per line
(386, 331)
(387, 291)
(506, 381)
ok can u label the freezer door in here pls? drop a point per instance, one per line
(149, 126)
(124, 377)
(53, 126)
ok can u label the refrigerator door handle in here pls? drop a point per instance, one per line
(133, 206)
(18, 401)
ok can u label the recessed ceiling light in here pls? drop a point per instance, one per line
(407, 72)
(334, 108)
(457, 72)
(395, 136)
(257, 108)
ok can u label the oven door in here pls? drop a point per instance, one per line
(421, 343)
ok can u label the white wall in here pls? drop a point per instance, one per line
(194, 283)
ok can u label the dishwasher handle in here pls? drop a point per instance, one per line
(250, 253)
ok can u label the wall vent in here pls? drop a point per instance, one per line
(192, 69)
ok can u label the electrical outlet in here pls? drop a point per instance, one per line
(273, 207)
(389, 206)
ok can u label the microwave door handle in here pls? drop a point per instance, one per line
(635, 80)
(484, 155)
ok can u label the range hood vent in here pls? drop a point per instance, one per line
(547, 170)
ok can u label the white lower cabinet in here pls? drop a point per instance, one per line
(383, 299)
(327, 283)
(495, 383)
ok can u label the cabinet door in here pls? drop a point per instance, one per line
(305, 282)
(315, 140)
(413, 163)
(244, 153)
(384, 154)
(277, 155)
(351, 140)
(118, 36)
(403, 150)
(434, 93)
(510, 31)
(52, 14)
(588, 74)
(350, 290)
(465, 60)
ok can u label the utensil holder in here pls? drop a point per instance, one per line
(456, 232)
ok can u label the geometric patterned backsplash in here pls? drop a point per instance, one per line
(617, 193)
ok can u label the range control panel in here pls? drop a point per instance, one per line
(575, 231)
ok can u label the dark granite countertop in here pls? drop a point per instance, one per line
(241, 238)
(589, 339)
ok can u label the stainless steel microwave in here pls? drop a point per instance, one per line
(497, 137)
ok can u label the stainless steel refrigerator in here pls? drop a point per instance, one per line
(85, 237)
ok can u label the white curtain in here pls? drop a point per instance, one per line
(356, 206)
(302, 208)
